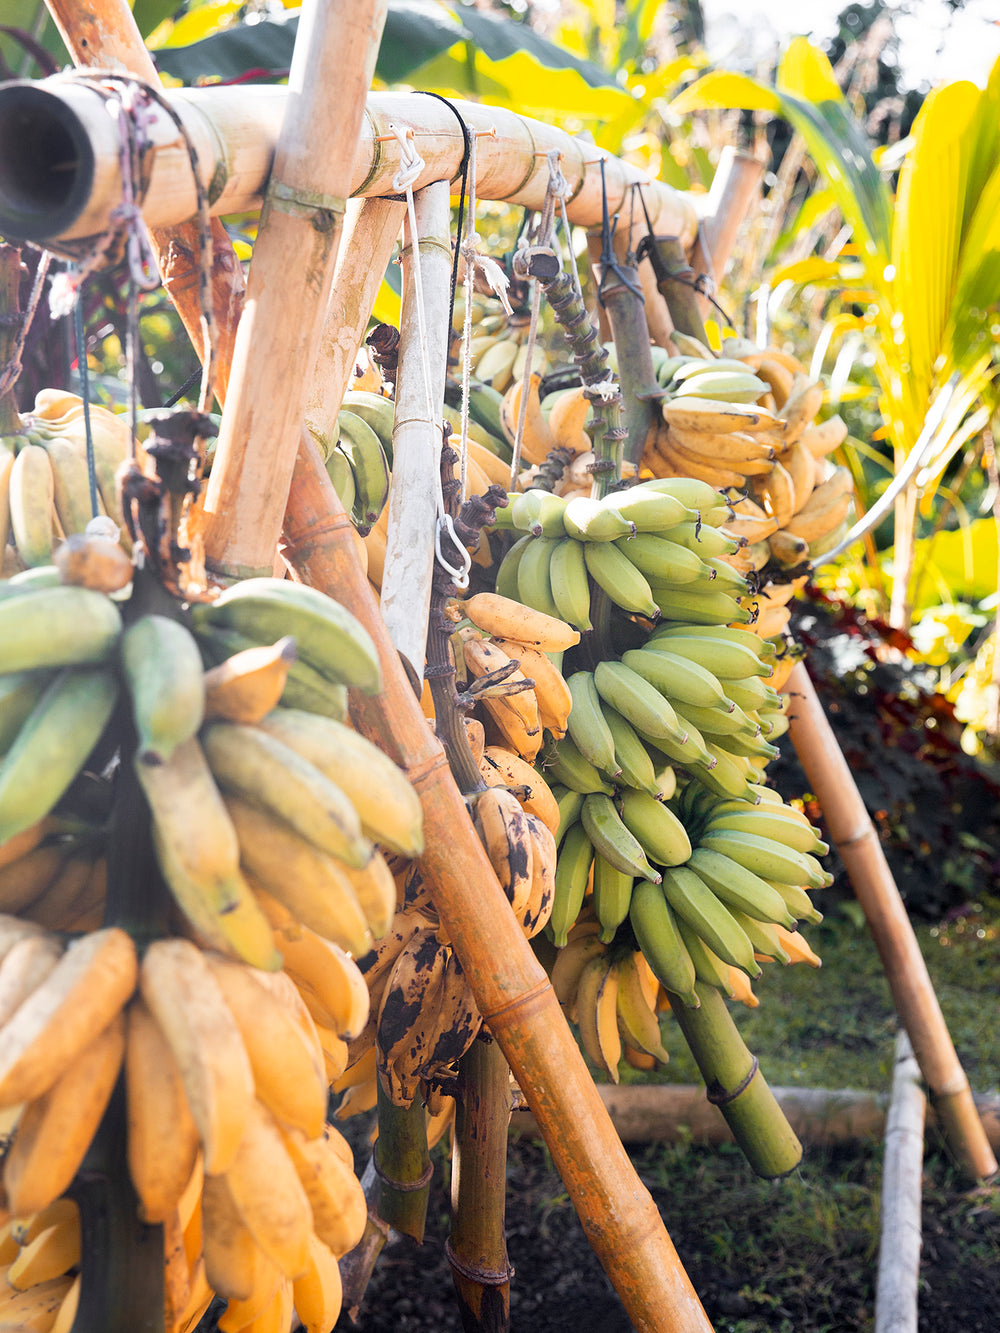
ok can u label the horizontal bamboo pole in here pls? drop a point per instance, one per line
(902, 1194)
(60, 180)
(618, 1214)
(854, 836)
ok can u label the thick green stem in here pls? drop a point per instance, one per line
(679, 294)
(477, 1246)
(10, 326)
(403, 1165)
(735, 1084)
(640, 390)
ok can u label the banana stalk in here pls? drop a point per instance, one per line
(736, 1085)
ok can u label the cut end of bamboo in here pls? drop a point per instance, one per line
(47, 167)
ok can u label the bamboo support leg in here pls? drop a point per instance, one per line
(371, 229)
(735, 187)
(289, 284)
(856, 840)
(416, 435)
(899, 1243)
(618, 1215)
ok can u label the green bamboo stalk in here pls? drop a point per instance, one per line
(10, 312)
(639, 387)
(403, 1166)
(680, 296)
(735, 1084)
(477, 1247)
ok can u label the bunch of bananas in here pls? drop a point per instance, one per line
(44, 480)
(498, 348)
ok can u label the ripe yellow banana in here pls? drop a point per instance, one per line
(776, 494)
(55, 1129)
(800, 465)
(537, 440)
(823, 437)
(339, 1209)
(502, 825)
(329, 981)
(38, 1307)
(27, 877)
(227, 1245)
(597, 1015)
(52, 1252)
(802, 404)
(826, 507)
(318, 1293)
(543, 874)
(505, 618)
(265, 1281)
(515, 714)
(184, 998)
(551, 691)
(248, 685)
(569, 413)
(506, 768)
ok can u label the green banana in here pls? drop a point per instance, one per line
(638, 701)
(798, 902)
(570, 804)
(565, 764)
(52, 627)
(626, 585)
(53, 743)
(691, 751)
(327, 636)
(662, 559)
(538, 512)
(19, 692)
(649, 511)
(591, 521)
(694, 902)
(699, 608)
(726, 386)
(612, 894)
(661, 834)
(340, 472)
(677, 677)
(740, 888)
(728, 775)
(612, 840)
(712, 722)
(506, 584)
(726, 657)
(534, 578)
(633, 759)
(750, 745)
(484, 407)
(700, 367)
(161, 664)
(699, 497)
(703, 540)
(726, 633)
(727, 576)
(763, 936)
(570, 583)
(658, 937)
(376, 411)
(752, 694)
(708, 966)
(363, 449)
(769, 822)
(587, 726)
(576, 856)
(768, 858)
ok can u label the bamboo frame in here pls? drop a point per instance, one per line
(902, 1192)
(855, 838)
(734, 188)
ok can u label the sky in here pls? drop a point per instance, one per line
(935, 45)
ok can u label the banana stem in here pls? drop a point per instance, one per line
(639, 388)
(679, 294)
(736, 1085)
(477, 1246)
(122, 1282)
(403, 1165)
(10, 311)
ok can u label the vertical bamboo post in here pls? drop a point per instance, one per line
(854, 836)
(416, 434)
(289, 283)
(902, 1191)
(103, 35)
(513, 994)
(371, 229)
(734, 188)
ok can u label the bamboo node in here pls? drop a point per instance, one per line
(404, 1186)
(717, 1094)
(487, 1277)
(324, 211)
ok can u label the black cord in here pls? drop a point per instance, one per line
(189, 383)
(464, 169)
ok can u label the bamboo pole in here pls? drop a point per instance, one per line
(371, 230)
(55, 198)
(511, 989)
(735, 186)
(855, 838)
(425, 324)
(289, 284)
(902, 1192)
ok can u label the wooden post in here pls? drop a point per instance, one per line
(902, 1194)
(735, 186)
(290, 279)
(854, 836)
(416, 434)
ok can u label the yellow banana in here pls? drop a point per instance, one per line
(551, 691)
(329, 979)
(826, 508)
(802, 404)
(506, 768)
(70, 484)
(822, 438)
(596, 1015)
(35, 1310)
(339, 1209)
(566, 421)
(543, 875)
(31, 492)
(51, 1253)
(265, 1282)
(788, 549)
(248, 685)
(800, 465)
(515, 714)
(776, 494)
(503, 828)
(699, 414)
(505, 618)
(318, 1293)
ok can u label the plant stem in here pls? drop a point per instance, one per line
(640, 390)
(680, 296)
(403, 1165)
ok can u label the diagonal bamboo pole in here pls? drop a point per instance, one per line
(511, 989)
(289, 284)
(855, 838)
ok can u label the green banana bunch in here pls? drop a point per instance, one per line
(369, 466)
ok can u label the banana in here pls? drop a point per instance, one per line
(369, 466)
(566, 765)
(543, 871)
(31, 497)
(699, 607)
(826, 507)
(534, 579)
(569, 964)
(770, 822)
(699, 366)
(710, 968)
(661, 559)
(254, 1313)
(515, 714)
(570, 412)
(613, 840)
(715, 723)
(337, 1201)
(726, 656)
(740, 889)
(61, 899)
(485, 408)
(763, 935)
(778, 377)
(612, 894)
(612, 570)
(638, 701)
(788, 549)
(631, 756)
(305, 687)
(725, 773)
(38, 1308)
(199, 856)
(596, 1011)
(503, 827)
(677, 677)
(726, 386)
(703, 540)
(56, 627)
(570, 804)
(161, 665)
(378, 411)
(20, 691)
(506, 618)
(570, 584)
(805, 398)
(691, 348)
(725, 448)
(552, 694)
(313, 886)
(495, 365)
(407, 1025)
(659, 938)
(590, 520)
(512, 771)
(768, 858)
(663, 837)
(252, 763)
(573, 869)
(330, 983)
(49, 1254)
(694, 902)
(798, 902)
(697, 413)
(637, 1019)
(268, 1194)
(537, 440)
(701, 500)
(823, 438)
(56, 1127)
(70, 484)
(228, 1246)
(318, 1293)
(249, 684)
(185, 1000)
(776, 494)
(25, 966)
(797, 948)
(340, 472)
(673, 462)
(387, 805)
(538, 512)
(328, 637)
(587, 726)
(162, 1141)
(25, 878)
(752, 694)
